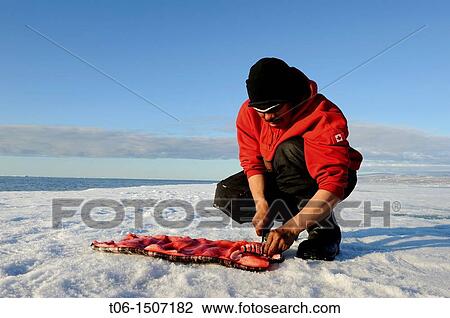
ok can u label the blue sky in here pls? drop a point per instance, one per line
(192, 59)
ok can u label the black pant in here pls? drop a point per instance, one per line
(288, 187)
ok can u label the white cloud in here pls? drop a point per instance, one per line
(376, 142)
(381, 142)
(63, 141)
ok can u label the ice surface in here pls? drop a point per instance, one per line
(408, 259)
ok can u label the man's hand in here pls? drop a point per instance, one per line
(260, 220)
(280, 240)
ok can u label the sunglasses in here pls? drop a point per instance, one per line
(270, 110)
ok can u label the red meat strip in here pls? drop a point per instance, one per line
(240, 254)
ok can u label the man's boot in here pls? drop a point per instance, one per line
(323, 241)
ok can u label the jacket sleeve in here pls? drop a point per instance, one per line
(249, 153)
(327, 159)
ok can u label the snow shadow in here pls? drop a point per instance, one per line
(19, 268)
(393, 239)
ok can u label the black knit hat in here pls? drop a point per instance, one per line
(271, 81)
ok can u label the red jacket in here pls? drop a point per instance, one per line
(324, 129)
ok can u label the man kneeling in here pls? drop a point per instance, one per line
(297, 162)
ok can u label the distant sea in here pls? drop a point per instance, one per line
(15, 183)
(68, 184)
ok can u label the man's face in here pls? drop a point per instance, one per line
(279, 117)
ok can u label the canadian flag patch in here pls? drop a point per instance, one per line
(339, 137)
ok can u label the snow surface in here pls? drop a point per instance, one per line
(408, 259)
